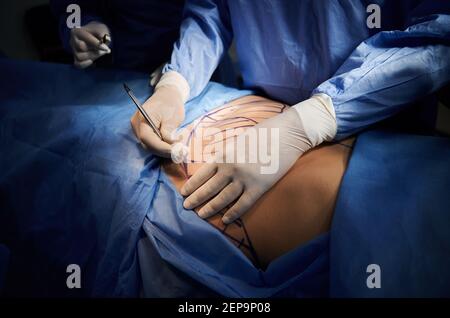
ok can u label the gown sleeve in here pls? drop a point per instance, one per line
(391, 70)
(205, 35)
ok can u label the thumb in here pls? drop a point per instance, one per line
(135, 123)
(98, 29)
(153, 143)
(168, 132)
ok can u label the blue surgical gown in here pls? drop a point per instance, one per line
(291, 49)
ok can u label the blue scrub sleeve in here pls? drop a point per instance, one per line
(90, 11)
(389, 71)
(205, 35)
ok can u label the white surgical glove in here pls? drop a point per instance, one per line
(166, 109)
(86, 43)
(156, 75)
(300, 128)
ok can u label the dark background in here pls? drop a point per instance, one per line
(28, 30)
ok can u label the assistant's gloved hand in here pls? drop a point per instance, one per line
(300, 128)
(86, 43)
(166, 109)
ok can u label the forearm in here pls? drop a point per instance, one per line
(389, 71)
(204, 37)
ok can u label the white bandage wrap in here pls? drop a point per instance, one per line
(318, 118)
(177, 80)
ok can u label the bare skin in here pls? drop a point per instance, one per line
(297, 209)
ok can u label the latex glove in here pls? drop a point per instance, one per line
(156, 75)
(166, 109)
(300, 128)
(86, 43)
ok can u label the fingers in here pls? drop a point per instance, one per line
(205, 192)
(149, 140)
(89, 55)
(91, 41)
(86, 48)
(153, 143)
(78, 45)
(244, 203)
(230, 193)
(99, 30)
(81, 46)
(135, 123)
(167, 131)
(201, 176)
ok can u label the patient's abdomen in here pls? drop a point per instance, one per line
(297, 209)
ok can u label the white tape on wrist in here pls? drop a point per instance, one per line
(177, 80)
(318, 118)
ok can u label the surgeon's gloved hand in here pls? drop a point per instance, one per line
(87, 43)
(300, 128)
(166, 109)
(156, 75)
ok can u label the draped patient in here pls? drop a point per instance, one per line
(295, 210)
